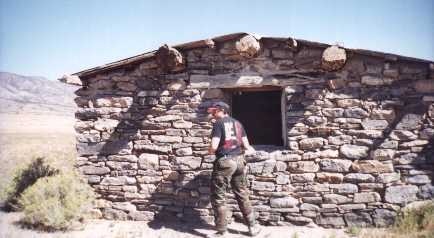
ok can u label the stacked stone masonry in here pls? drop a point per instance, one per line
(359, 139)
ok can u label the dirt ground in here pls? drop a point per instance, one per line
(10, 228)
(24, 137)
(36, 123)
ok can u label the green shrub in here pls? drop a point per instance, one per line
(24, 178)
(353, 231)
(419, 221)
(56, 202)
(416, 222)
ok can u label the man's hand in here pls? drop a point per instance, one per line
(249, 151)
(214, 144)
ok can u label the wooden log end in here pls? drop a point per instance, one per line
(248, 46)
(170, 59)
(333, 58)
(291, 43)
(70, 79)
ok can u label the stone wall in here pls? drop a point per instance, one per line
(359, 138)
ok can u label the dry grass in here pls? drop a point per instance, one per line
(18, 149)
(387, 233)
(414, 223)
(23, 138)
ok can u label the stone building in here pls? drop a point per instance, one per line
(344, 137)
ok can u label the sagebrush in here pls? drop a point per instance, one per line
(26, 177)
(417, 221)
(410, 223)
(56, 202)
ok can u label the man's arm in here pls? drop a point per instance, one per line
(249, 149)
(214, 144)
(216, 135)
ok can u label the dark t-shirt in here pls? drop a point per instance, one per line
(230, 132)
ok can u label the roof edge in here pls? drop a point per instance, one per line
(223, 38)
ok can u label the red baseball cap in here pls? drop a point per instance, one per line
(218, 106)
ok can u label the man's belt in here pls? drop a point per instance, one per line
(229, 156)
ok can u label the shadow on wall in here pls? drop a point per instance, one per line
(148, 173)
(141, 147)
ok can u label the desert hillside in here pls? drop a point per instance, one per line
(35, 95)
(35, 104)
(36, 120)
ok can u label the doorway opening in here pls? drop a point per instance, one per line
(260, 113)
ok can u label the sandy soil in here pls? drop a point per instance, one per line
(36, 123)
(10, 228)
(27, 136)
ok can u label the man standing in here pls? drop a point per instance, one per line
(228, 139)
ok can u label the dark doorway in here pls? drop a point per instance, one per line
(260, 113)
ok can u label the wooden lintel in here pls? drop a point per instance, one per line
(252, 80)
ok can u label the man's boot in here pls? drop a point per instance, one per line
(220, 221)
(254, 230)
(220, 234)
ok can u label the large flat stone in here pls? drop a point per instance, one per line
(388, 177)
(359, 178)
(372, 81)
(336, 199)
(340, 140)
(344, 188)
(302, 178)
(311, 143)
(383, 154)
(325, 177)
(356, 112)
(366, 197)
(372, 166)
(303, 166)
(333, 112)
(402, 135)
(426, 191)
(335, 165)
(94, 170)
(106, 124)
(120, 180)
(166, 139)
(148, 161)
(354, 151)
(368, 124)
(358, 219)
(380, 114)
(410, 122)
(187, 163)
(285, 202)
(330, 221)
(401, 194)
(121, 147)
(384, 217)
(263, 186)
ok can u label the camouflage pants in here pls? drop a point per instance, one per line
(230, 170)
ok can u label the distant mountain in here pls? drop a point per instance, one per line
(36, 95)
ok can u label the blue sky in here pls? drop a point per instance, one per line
(52, 37)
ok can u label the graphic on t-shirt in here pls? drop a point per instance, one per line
(230, 139)
(230, 133)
